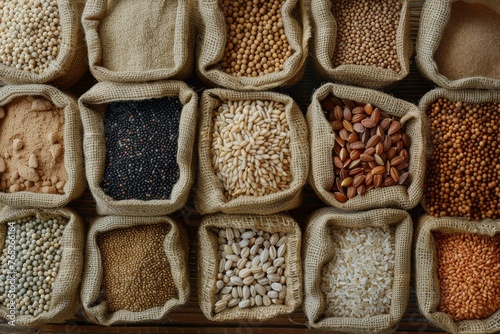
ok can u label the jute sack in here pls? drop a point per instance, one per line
(318, 251)
(210, 192)
(470, 96)
(93, 107)
(212, 41)
(64, 296)
(324, 45)
(176, 247)
(426, 279)
(208, 265)
(72, 148)
(322, 139)
(139, 41)
(71, 61)
(433, 21)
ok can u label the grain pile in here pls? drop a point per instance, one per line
(251, 147)
(370, 150)
(469, 275)
(36, 247)
(29, 34)
(251, 268)
(358, 280)
(32, 146)
(366, 33)
(462, 170)
(256, 43)
(136, 272)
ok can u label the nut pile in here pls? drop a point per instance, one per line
(29, 34)
(251, 268)
(141, 148)
(251, 147)
(136, 272)
(366, 33)
(37, 252)
(469, 275)
(370, 150)
(463, 170)
(32, 146)
(358, 280)
(256, 43)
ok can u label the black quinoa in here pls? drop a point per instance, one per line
(141, 148)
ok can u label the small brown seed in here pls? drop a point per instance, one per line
(396, 160)
(366, 157)
(368, 108)
(377, 180)
(375, 116)
(347, 114)
(394, 127)
(368, 123)
(338, 113)
(337, 125)
(358, 127)
(373, 141)
(378, 170)
(349, 103)
(394, 174)
(340, 197)
(347, 125)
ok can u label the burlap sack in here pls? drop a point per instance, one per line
(324, 44)
(322, 140)
(210, 193)
(318, 251)
(93, 106)
(139, 41)
(212, 41)
(426, 280)
(176, 248)
(208, 265)
(434, 17)
(64, 297)
(71, 61)
(73, 155)
(471, 96)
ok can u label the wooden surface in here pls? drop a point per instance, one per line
(189, 318)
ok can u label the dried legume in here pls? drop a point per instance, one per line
(141, 146)
(251, 147)
(256, 42)
(251, 268)
(464, 166)
(469, 275)
(29, 34)
(37, 251)
(358, 280)
(136, 272)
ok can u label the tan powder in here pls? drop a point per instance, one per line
(32, 146)
(470, 43)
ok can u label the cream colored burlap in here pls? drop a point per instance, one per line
(212, 41)
(93, 106)
(138, 41)
(318, 251)
(434, 17)
(71, 61)
(324, 44)
(176, 249)
(426, 280)
(208, 265)
(64, 296)
(470, 96)
(210, 193)
(322, 139)
(73, 155)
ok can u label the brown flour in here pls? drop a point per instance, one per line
(470, 42)
(32, 146)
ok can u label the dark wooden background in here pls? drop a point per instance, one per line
(189, 318)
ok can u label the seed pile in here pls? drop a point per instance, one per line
(136, 272)
(366, 33)
(29, 34)
(256, 43)
(251, 147)
(469, 275)
(251, 268)
(32, 146)
(370, 150)
(38, 252)
(463, 170)
(141, 148)
(358, 280)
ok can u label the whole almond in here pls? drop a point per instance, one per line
(370, 151)
(369, 179)
(385, 123)
(387, 143)
(356, 171)
(391, 153)
(353, 137)
(355, 154)
(395, 138)
(344, 134)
